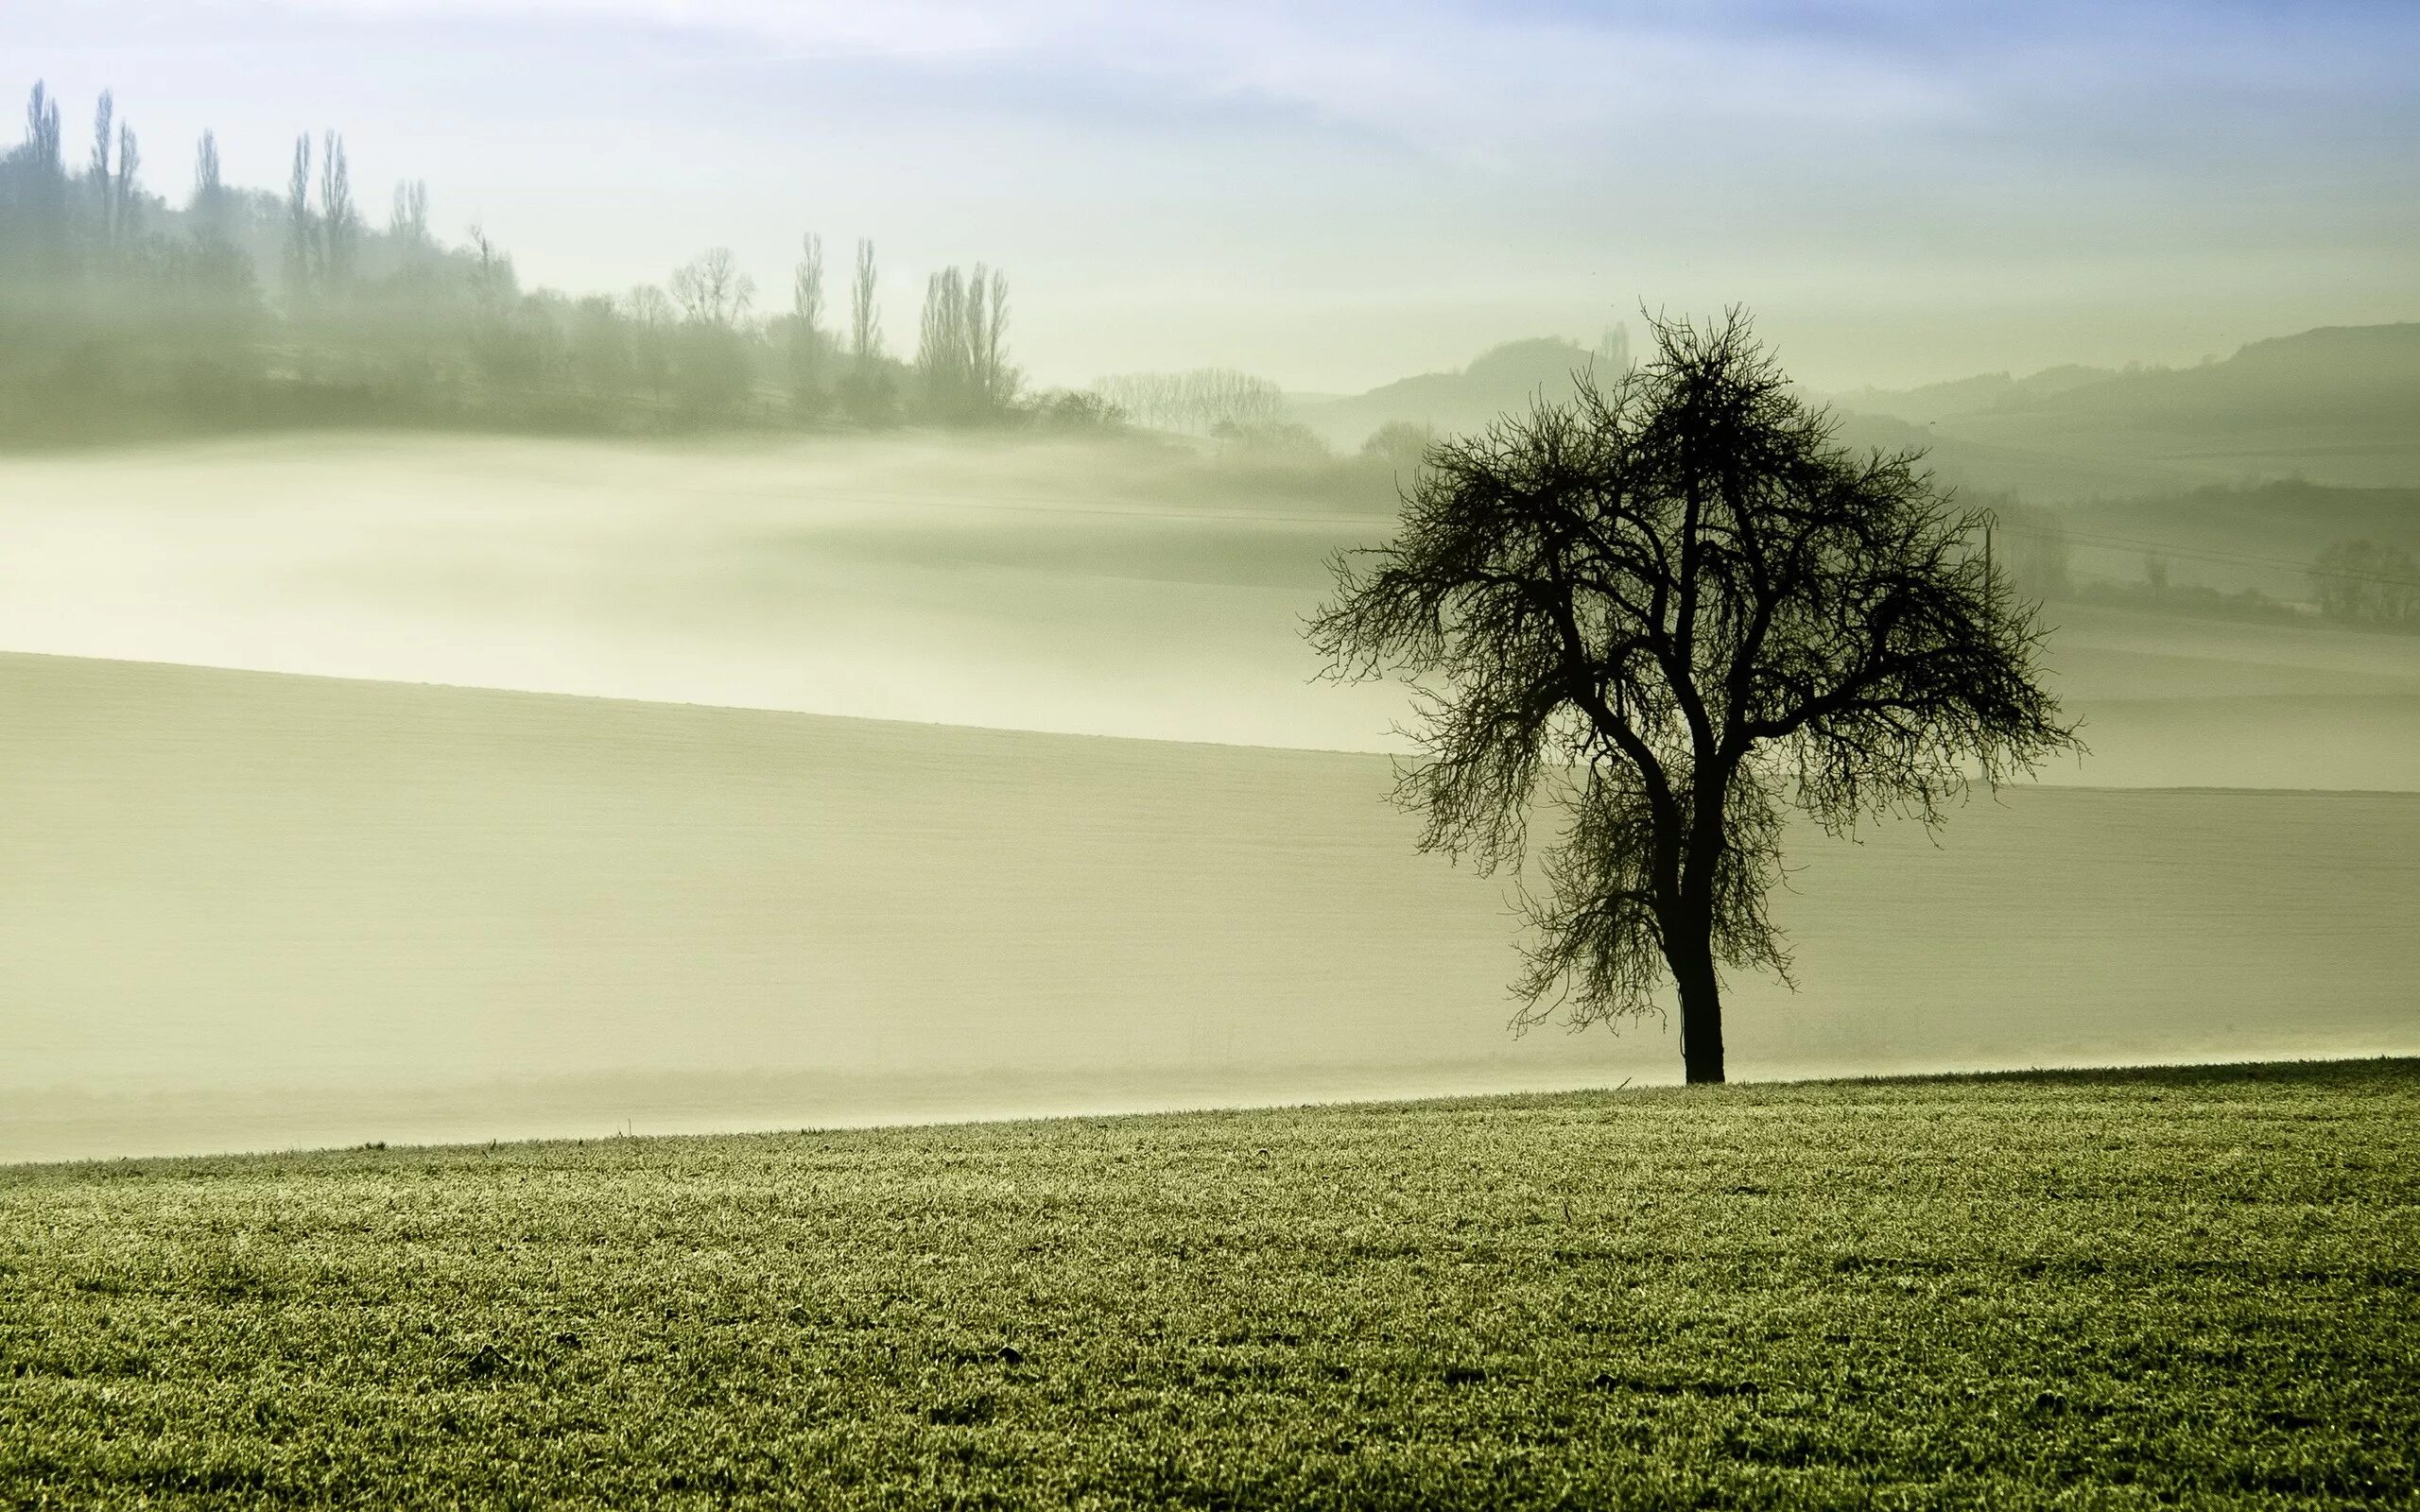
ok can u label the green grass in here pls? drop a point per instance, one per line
(2196, 1287)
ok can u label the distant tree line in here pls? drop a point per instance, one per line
(122, 312)
(2361, 582)
(1201, 402)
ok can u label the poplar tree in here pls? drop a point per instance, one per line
(302, 235)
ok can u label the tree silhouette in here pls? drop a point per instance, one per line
(126, 205)
(1676, 607)
(866, 389)
(41, 129)
(999, 382)
(339, 220)
(301, 232)
(711, 290)
(209, 189)
(407, 218)
(960, 349)
(806, 326)
(865, 319)
(97, 170)
(2367, 583)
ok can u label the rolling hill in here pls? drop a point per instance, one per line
(1502, 379)
(2339, 405)
(254, 910)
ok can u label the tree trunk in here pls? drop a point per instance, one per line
(1690, 954)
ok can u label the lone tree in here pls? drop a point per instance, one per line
(1676, 607)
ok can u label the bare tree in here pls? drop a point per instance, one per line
(339, 220)
(208, 187)
(104, 110)
(407, 218)
(712, 291)
(973, 319)
(97, 171)
(42, 196)
(2367, 583)
(42, 140)
(999, 382)
(126, 205)
(941, 344)
(711, 370)
(806, 284)
(960, 351)
(646, 307)
(865, 320)
(1678, 607)
(302, 234)
(1204, 402)
(806, 339)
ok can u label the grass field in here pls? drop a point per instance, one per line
(2118, 1289)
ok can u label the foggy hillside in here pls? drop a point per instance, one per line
(2260, 536)
(2333, 407)
(1080, 587)
(2329, 407)
(472, 914)
(1505, 378)
(1927, 402)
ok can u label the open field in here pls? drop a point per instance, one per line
(2195, 1287)
(249, 911)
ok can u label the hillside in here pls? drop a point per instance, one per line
(1927, 402)
(2333, 407)
(1061, 588)
(2263, 536)
(469, 913)
(1503, 379)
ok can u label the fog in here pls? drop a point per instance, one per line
(1040, 585)
(1113, 588)
(253, 910)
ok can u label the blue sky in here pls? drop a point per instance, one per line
(1336, 195)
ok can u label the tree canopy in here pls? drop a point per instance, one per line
(1676, 608)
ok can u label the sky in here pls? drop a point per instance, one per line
(1338, 194)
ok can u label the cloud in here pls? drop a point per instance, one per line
(1457, 79)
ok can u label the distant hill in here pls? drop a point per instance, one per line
(2259, 537)
(1503, 378)
(2339, 405)
(1992, 466)
(1964, 396)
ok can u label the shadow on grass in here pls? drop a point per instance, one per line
(2375, 1069)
